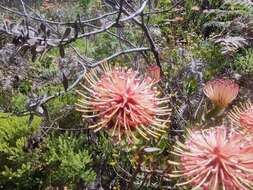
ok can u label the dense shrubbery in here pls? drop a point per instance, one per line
(141, 84)
(27, 162)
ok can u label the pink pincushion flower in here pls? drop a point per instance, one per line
(246, 119)
(123, 102)
(221, 91)
(242, 116)
(216, 158)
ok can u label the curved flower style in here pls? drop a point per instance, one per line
(123, 102)
(154, 72)
(216, 158)
(242, 116)
(221, 91)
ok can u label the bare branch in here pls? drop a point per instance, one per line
(147, 34)
(120, 11)
(118, 54)
(138, 12)
(24, 9)
(92, 66)
(79, 78)
(53, 40)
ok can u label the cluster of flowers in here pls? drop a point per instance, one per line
(126, 104)
(220, 157)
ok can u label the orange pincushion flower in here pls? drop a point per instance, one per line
(154, 72)
(242, 116)
(123, 102)
(221, 91)
(216, 158)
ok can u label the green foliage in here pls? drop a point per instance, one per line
(11, 102)
(208, 52)
(190, 85)
(61, 160)
(5, 99)
(18, 102)
(64, 11)
(83, 46)
(25, 87)
(14, 128)
(178, 24)
(16, 161)
(68, 160)
(99, 47)
(84, 3)
(231, 25)
(243, 63)
(104, 45)
(46, 66)
(212, 55)
(57, 103)
(244, 6)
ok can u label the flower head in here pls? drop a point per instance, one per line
(216, 158)
(123, 102)
(221, 91)
(242, 116)
(178, 19)
(195, 8)
(154, 72)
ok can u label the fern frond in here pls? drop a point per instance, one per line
(245, 6)
(220, 13)
(231, 44)
(217, 24)
(239, 2)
